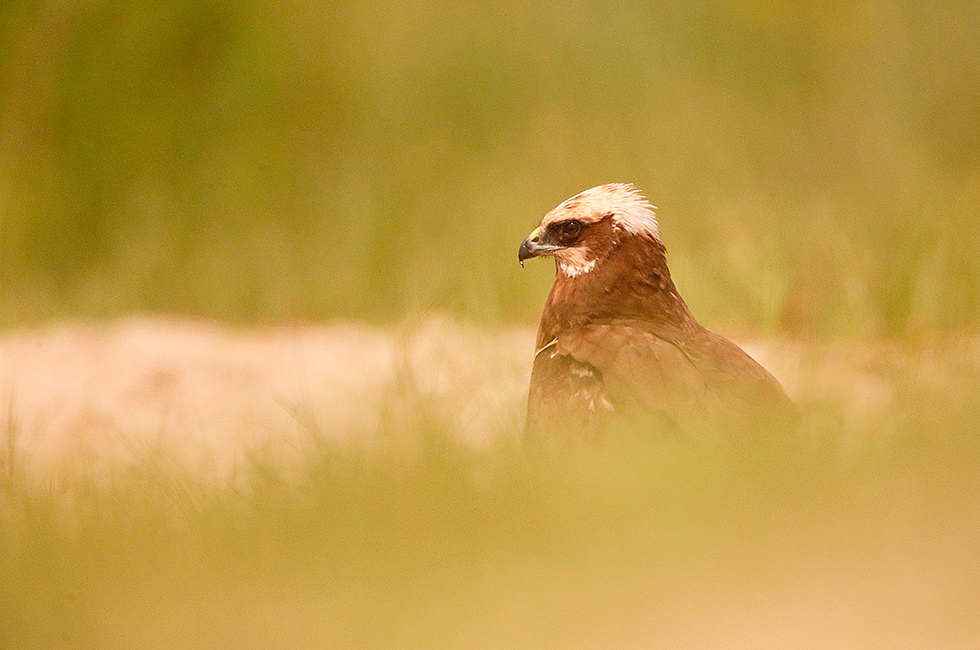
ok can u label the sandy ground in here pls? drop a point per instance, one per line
(206, 394)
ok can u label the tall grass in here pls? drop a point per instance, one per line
(815, 167)
(422, 542)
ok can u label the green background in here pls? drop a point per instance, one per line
(817, 172)
(816, 165)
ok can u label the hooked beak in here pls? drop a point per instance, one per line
(534, 246)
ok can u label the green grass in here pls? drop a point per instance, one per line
(420, 542)
(816, 171)
(815, 167)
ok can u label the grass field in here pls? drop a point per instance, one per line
(815, 166)
(288, 449)
(416, 533)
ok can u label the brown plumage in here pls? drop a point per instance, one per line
(617, 346)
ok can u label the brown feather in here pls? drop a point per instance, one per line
(618, 346)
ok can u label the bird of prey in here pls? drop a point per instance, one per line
(617, 346)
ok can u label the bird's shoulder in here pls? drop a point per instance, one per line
(566, 394)
(688, 372)
(636, 361)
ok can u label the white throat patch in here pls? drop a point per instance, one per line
(573, 262)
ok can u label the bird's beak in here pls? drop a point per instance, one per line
(534, 246)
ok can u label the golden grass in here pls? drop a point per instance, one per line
(407, 534)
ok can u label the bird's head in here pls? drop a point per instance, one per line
(584, 229)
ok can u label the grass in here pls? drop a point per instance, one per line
(816, 172)
(815, 167)
(424, 542)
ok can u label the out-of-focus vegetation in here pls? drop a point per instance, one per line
(817, 166)
(864, 536)
(817, 169)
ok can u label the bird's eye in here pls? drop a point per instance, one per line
(570, 230)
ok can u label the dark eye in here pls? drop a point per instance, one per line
(570, 230)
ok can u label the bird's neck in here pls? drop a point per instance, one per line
(631, 283)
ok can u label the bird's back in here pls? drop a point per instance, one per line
(600, 376)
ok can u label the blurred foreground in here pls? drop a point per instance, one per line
(176, 484)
